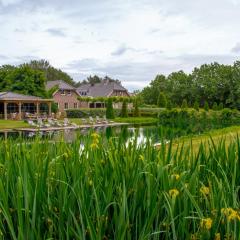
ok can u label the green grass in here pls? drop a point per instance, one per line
(228, 134)
(137, 120)
(113, 191)
(10, 124)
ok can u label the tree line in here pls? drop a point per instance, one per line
(214, 84)
(30, 78)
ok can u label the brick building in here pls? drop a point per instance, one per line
(66, 96)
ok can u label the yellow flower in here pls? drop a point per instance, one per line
(94, 146)
(95, 135)
(206, 223)
(217, 236)
(231, 214)
(205, 190)
(173, 193)
(176, 176)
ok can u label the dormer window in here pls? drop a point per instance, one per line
(62, 92)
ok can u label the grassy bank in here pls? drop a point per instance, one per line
(228, 135)
(10, 124)
(113, 191)
(137, 120)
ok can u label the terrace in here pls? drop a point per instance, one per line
(18, 106)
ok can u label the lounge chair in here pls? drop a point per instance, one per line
(91, 121)
(66, 122)
(32, 123)
(98, 120)
(41, 124)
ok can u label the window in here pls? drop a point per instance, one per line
(83, 93)
(75, 105)
(66, 105)
(62, 92)
(69, 92)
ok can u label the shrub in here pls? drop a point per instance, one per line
(124, 112)
(87, 112)
(162, 100)
(169, 104)
(184, 104)
(220, 106)
(136, 112)
(196, 105)
(110, 111)
(206, 106)
(215, 106)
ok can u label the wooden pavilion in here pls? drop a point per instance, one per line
(19, 106)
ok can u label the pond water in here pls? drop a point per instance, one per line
(128, 133)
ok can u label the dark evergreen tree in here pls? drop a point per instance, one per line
(215, 106)
(206, 106)
(196, 105)
(220, 106)
(109, 110)
(184, 104)
(136, 112)
(162, 100)
(124, 112)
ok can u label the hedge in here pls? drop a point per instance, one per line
(89, 112)
(197, 121)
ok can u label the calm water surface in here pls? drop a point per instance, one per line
(129, 133)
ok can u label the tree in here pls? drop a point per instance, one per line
(169, 104)
(215, 106)
(109, 110)
(49, 71)
(184, 104)
(196, 105)
(162, 100)
(136, 112)
(206, 106)
(124, 112)
(220, 106)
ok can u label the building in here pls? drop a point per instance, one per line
(103, 89)
(18, 106)
(66, 96)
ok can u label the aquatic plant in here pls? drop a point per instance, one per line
(110, 190)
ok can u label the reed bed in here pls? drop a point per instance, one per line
(107, 190)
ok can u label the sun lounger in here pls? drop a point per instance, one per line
(91, 121)
(31, 123)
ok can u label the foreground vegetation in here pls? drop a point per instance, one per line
(108, 190)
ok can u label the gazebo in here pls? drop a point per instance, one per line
(17, 106)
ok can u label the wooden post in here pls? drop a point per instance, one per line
(5, 110)
(20, 110)
(50, 109)
(37, 109)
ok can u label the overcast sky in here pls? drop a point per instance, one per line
(130, 40)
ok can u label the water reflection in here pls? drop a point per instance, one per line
(128, 134)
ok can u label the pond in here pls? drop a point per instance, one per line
(128, 133)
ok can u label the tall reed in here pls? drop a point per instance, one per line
(108, 190)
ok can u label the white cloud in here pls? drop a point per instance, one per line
(130, 40)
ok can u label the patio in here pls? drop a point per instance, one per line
(18, 106)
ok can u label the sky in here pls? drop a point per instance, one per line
(132, 41)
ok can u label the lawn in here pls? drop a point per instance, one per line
(227, 135)
(11, 124)
(137, 120)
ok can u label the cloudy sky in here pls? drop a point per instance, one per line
(130, 40)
